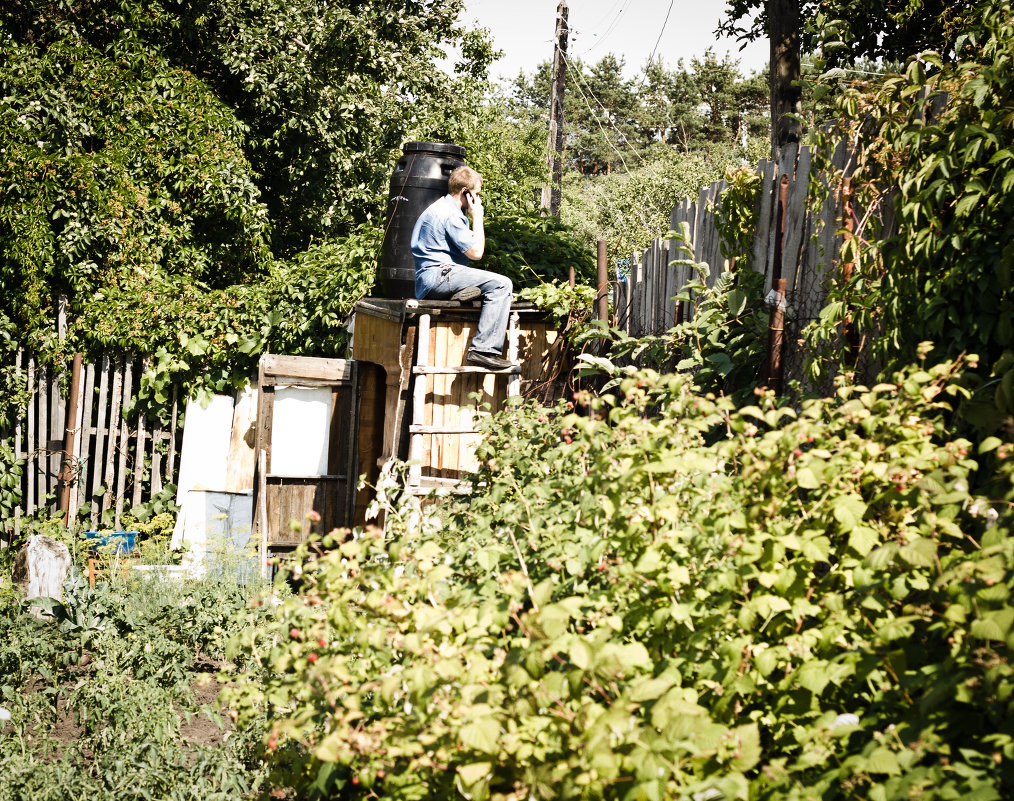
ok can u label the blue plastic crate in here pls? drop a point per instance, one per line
(120, 542)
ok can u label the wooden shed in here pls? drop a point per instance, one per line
(430, 396)
(317, 422)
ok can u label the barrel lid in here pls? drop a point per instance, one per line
(443, 148)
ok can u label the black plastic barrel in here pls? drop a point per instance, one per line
(419, 178)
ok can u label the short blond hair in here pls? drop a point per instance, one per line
(463, 178)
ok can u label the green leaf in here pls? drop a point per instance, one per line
(766, 661)
(993, 625)
(737, 302)
(813, 676)
(474, 772)
(806, 478)
(921, 552)
(862, 539)
(482, 734)
(746, 740)
(848, 511)
(883, 760)
(648, 688)
(990, 444)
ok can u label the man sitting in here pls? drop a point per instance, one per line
(442, 245)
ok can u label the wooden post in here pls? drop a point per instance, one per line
(68, 475)
(554, 160)
(44, 435)
(602, 298)
(116, 398)
(262, 510)
(17, 447)
(84, 442)
(121, 464)
(776, 339)
(419, 400)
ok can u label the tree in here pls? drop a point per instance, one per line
(196, 140)
(843, 30)
(601, 113)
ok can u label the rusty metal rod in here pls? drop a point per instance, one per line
(849, 332)
(776, 340)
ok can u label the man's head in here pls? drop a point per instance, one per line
(464, 178)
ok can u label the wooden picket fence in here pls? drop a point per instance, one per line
(104, 456)
(792, 242)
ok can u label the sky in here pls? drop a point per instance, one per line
(634, 29)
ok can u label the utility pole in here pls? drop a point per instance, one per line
(786, 94)
(554, 158)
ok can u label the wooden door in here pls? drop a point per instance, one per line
(307, 434)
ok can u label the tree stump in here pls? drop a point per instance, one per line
(41, 567)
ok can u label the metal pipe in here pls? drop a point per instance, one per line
(776, 340)
(848, 224)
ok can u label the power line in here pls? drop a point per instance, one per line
(609, 30)
(659, 39)
(619, 134)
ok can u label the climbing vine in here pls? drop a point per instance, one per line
(933, 150)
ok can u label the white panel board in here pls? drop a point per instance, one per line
(300, 431)
(206, 435)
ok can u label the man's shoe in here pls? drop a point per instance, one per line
(466, 294)
(488, 360)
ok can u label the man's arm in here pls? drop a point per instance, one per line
(478, 231)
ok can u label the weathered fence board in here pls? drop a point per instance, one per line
(808, 248)
(118, 458)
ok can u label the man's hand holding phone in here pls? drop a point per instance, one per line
(474, 205)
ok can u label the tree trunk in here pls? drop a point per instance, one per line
(786, 94)
(41, 567)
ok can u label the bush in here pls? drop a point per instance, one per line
(705, 602)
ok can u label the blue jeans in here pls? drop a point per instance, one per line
(439, 283)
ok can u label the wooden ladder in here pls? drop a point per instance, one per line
(417, 484)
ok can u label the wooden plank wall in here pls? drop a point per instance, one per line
(643, 297)
(120, 460)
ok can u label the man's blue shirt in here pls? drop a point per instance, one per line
(440, 237)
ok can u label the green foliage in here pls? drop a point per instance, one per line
(766, 602)
(201, 181)
(935, 148)
(503, 144)
(722, 344)
(11, 469)
(612, 123)
(530, 249)
(109, 698)
(119, 170)
(211, 339)
(569, 307)
(845, 30)
(630, 209)
(738, 212)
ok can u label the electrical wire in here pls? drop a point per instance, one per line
(609, 30)
(594, 115)
(620, 136)
(659, 39)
